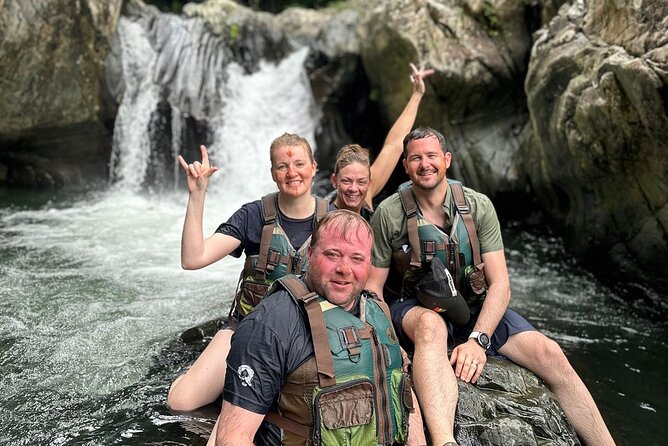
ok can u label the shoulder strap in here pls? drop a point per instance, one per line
(269, 205)
(323, 353)
(287, 424)
(465, 211)
(410, 208)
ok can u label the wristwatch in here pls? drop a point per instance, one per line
(481, 338)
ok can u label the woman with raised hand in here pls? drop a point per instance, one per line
(273, 232)
(355, 179)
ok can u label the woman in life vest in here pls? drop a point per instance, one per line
(273, 232)
(355, 179)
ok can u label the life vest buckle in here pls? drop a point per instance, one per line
(350, 340)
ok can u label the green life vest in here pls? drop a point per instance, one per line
(353, 390)
(275, 259)
(459, 249)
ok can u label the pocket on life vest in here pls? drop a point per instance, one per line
(250, 294)
(476, 279)
(402, 403)
(344, 413)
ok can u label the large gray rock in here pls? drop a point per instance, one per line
(479, 51)
(597, 95)
(52, 104)
(510, 405)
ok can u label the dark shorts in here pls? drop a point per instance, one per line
(511, 323)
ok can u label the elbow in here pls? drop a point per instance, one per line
(189, 266)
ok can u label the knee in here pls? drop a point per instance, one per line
(554, 361)
(430, 328)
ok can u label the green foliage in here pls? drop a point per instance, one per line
(492, 20)
(234, 32)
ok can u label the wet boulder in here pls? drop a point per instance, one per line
(508, 401)
(52, 100)
(597, 90)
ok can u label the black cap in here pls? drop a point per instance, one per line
(436, 291)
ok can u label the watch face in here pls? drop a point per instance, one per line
(484, 340)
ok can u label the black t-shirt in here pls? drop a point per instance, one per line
(268, 345)
(246, 226)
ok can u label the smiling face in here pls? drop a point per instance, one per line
(340, 260)
(426, 163)
(352, 184)
(292, 169)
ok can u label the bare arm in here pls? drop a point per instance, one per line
(493, 308)
(382, 167)
(195, 251)
(376, 280)
(237, 426)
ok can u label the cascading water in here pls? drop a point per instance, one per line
(93, 290)
(92, 296)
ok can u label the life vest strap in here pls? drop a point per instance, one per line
(269, 206)
(323, 354)
(288, 425)
(410, 207)
(465, 211)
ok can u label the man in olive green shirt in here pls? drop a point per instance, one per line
(493, 327)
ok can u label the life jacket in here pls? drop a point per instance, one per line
(275, 259)
(353, 390)
(459, 250)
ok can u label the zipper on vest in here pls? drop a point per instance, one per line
(382, 398)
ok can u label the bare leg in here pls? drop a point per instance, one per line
(545, 358)
(214, 432)
(416, 435)
(204, 381)
(435, 382)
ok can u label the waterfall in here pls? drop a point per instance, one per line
(92, 289)
(174, 74)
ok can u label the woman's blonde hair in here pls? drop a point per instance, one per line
(290, 140)
(352, 153)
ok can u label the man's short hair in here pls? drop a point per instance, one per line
(427, 132)
(344, 221)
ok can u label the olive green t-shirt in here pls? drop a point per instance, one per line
(390, 227)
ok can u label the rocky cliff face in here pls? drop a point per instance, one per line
(597, 90)
(479, 51)
(53, 108)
